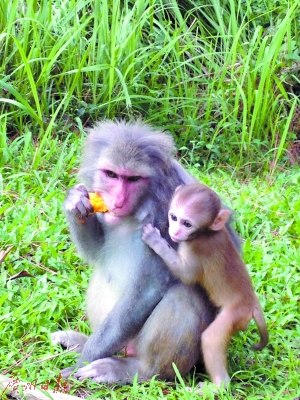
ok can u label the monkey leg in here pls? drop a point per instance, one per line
(215, 340)
(110, 370)
(69, 339)
(170, 335)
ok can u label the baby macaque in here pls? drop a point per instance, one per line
(207, 256)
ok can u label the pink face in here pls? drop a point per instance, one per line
(121, 190)
(180, 226)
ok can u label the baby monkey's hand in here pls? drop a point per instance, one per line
(152, 237)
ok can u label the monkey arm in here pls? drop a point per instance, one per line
(88, 237)
(181, 267)
(156, 242)
(86, 229)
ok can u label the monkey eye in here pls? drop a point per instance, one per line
(173, 217)
(187, 224)
(110, 174)
(133, 178)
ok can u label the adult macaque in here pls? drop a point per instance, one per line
(132, 292)
(207, 256)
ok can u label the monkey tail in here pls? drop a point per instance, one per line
(262, 328)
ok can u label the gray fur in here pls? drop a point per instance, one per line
(165, 317)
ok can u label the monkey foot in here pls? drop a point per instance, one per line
(66, 372)
(109, 370)
(204, 388)
(69, 340)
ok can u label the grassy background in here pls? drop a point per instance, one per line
(224, 81)
(224, 77)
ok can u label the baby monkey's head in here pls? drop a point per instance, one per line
(195, 209)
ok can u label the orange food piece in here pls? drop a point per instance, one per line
(97, 202)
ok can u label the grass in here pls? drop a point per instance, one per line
(224, 80)
(268, 210)
(220, 76)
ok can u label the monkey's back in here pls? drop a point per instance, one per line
(221, 270)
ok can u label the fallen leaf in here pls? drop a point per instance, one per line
(22, 274)
(3, 253)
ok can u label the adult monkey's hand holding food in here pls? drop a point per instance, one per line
(97, 202)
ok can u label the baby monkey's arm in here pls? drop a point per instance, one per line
(152, 237)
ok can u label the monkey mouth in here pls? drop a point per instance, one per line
(119, 212)
(112, 219)
(115, 213)
(116, 216)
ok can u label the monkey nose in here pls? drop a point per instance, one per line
(175, 236)
(119, 204)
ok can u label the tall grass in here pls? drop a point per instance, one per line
(213, 74)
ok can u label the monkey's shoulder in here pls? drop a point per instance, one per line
(197, 248)
(190, 257)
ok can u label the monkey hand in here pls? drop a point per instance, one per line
(78, 203)
(152, 237)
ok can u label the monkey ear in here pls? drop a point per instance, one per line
(177, 188)
(220, 220)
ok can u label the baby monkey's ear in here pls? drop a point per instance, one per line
(177, 188)
(220, 220)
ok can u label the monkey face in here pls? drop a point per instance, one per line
(180, 225)
(121, 189)
(195, 209)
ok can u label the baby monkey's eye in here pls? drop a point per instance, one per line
(173, 217)
(187, 224)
